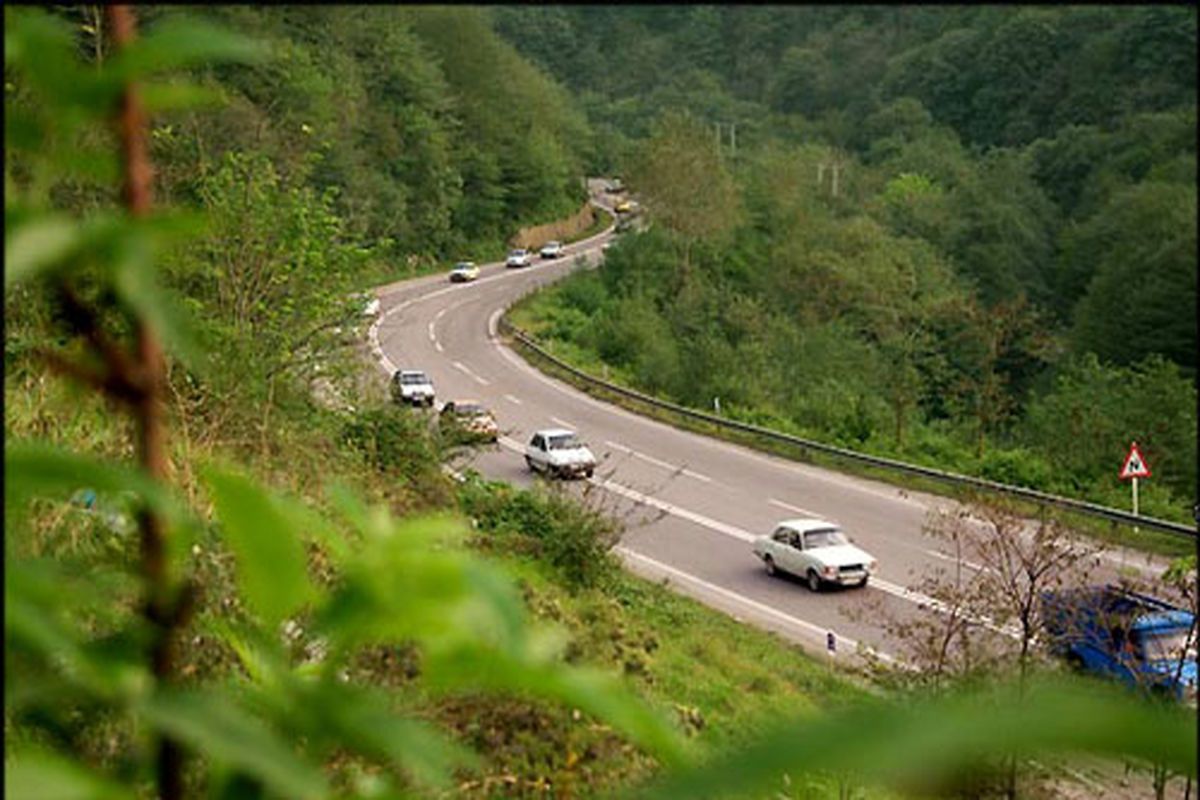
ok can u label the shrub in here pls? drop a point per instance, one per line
(558, 530)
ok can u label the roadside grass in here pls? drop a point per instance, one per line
(536, 315)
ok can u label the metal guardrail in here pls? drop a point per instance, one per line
(1103, 512)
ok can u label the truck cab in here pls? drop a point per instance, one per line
(1141, 641)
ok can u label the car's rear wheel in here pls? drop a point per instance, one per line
(770, 565)
(589, 472)
(814, 581)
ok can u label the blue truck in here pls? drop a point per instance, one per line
(1113, 632)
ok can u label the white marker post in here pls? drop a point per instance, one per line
(1134, 467)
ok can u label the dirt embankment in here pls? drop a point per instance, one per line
(535, 236)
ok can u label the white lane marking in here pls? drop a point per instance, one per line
(562, 422)
(481, 381)
(658, 463)
(465, 369)
(512, 399)
(953, 560)
(438, 347)
(438, 315)
(494, 322)
(458, 365)
(817, 631)
(791, 507)
(432, 335)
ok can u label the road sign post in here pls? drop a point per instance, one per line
(1134, 467)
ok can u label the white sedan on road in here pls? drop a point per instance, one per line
(518, 258)
(559, 453)
(817, 551)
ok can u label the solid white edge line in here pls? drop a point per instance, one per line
(563, 422)
(512, 399)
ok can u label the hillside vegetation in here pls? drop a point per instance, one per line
(959, 236)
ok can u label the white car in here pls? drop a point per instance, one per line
(517, 258)
(558, 452)
(464, 271)
(817, 551)
(551, 250)
(412, 386)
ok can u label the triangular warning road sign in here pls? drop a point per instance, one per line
(1135, 466)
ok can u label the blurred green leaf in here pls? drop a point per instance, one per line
(39, 245)
(210, 723)
(39, 775)
(181, 41)
(935, 737)
(171, 96)
(38, 469)
(484, 669)
(34, 37)
(361, 718)
(135, 284)
(272, 572)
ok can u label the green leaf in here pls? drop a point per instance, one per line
(477, 668)
(271, 562)
(210, 723)
(38, 246)
(930, 738)
(181, 42)
(171, 96)
(34, 468)
(38, 775)
(362, 718)
(135, 286)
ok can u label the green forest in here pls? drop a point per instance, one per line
(955, 234)
(964, 237)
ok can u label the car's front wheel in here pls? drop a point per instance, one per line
(589, 473)
(814, 581)
(770, 565)
(529, 463)
(862, 583)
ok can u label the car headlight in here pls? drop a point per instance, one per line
(829, 571)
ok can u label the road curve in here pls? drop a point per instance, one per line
(691, 504)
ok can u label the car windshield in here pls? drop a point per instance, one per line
(411, 378)
(517, 253)
(1166, 646)
(826, 537)
(463, 266)
(552, 244)
(566, 441)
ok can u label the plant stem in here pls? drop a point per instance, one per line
(147, 408)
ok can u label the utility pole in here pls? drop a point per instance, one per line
(733, 138)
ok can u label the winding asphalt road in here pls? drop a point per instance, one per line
(692, 504)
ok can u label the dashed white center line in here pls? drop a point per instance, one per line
(563, 422)
(438, 346)
(461, 367)
(658, 463)
(512, 399)
(791, 507)
(481, 381)
(438, 315)
(432, 336)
